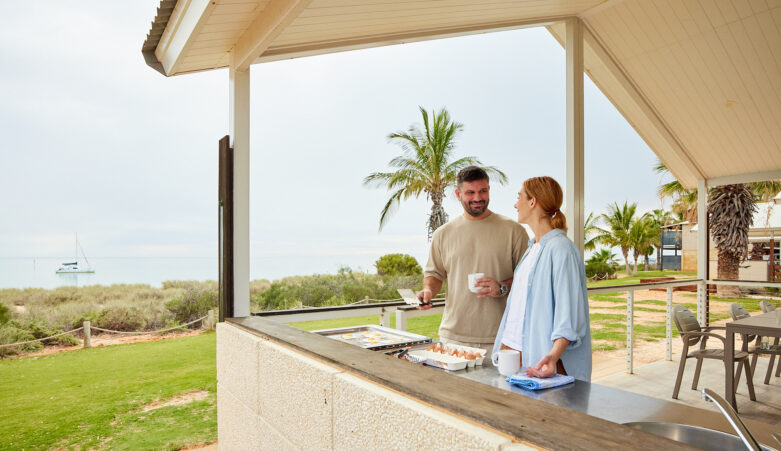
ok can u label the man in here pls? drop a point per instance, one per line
(479, 241)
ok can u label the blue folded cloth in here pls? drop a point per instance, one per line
(538, 383)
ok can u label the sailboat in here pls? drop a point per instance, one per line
(73, 267)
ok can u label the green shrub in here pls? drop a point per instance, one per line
(119, 317)
(207, 285)
(258, 286)
(327, 289)
(397, 264)
(193, 305)
(5, 314)
(12, 333)
(601, 270)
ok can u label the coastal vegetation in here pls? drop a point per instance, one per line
(322, 290)
(398, 264)
(37, 313)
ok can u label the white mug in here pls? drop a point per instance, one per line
(472, 279)
(509, 362)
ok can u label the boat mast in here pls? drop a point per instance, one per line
(78, 247)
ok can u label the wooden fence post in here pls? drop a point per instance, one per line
(87, 335)
(210, 320)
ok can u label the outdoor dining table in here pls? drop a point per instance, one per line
(764, 325)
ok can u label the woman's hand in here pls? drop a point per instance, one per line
(546, 367)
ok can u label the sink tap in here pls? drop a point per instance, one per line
(733, 418)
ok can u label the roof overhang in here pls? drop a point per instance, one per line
(699, 81)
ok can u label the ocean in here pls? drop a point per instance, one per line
(40, 272)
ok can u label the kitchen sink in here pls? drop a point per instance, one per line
(694, 435)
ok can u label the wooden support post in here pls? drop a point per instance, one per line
(574, 125)
(240, 138)
(401, 320)
(385, 317)
(703, 247)
(225, 230)
(630, 334)
(87, 335)
(210, 320)
(668, 323)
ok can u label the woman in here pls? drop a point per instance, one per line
(546, 317)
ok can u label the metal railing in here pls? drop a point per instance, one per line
(403, 311)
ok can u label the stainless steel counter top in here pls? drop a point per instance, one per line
(617, 405)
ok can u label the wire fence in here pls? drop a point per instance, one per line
(120, 332)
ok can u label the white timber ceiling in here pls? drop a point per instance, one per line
(699, 80)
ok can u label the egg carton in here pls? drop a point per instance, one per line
(477, 353)
(435, 359)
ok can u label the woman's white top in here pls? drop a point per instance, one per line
(513, 330)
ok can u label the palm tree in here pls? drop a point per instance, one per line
(590, 232)
(602, 256)
(618, 222)
(732, 216)
(766, 191)
(426, 166)
(642, 236)
(731, 213)
(684, 200)
(659, 218)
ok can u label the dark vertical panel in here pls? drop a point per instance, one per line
(225, 228)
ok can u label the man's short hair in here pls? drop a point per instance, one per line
(471, 174)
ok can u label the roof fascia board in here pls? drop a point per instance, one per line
(282, 53)
(745, 178)
(628, 85)
(183, 25)
(274, 18)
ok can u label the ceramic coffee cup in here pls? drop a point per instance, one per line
(472, 279)
(509, 362)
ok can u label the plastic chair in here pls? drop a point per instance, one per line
(767, 307)
(737, 312)
(692, 333)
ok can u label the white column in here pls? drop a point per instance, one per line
(702, 247)
(574, 195)
(239, 133)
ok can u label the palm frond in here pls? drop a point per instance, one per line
(425, 165)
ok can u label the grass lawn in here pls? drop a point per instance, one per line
(643, 275)
(93, 397)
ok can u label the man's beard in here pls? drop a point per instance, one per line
(476, 209)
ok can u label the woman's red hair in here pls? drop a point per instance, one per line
(549, 197)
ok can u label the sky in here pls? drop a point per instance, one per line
(96, 142)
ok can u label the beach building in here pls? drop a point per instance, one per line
(680, 246)
(699, 81)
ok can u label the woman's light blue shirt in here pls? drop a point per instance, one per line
(556, 306)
